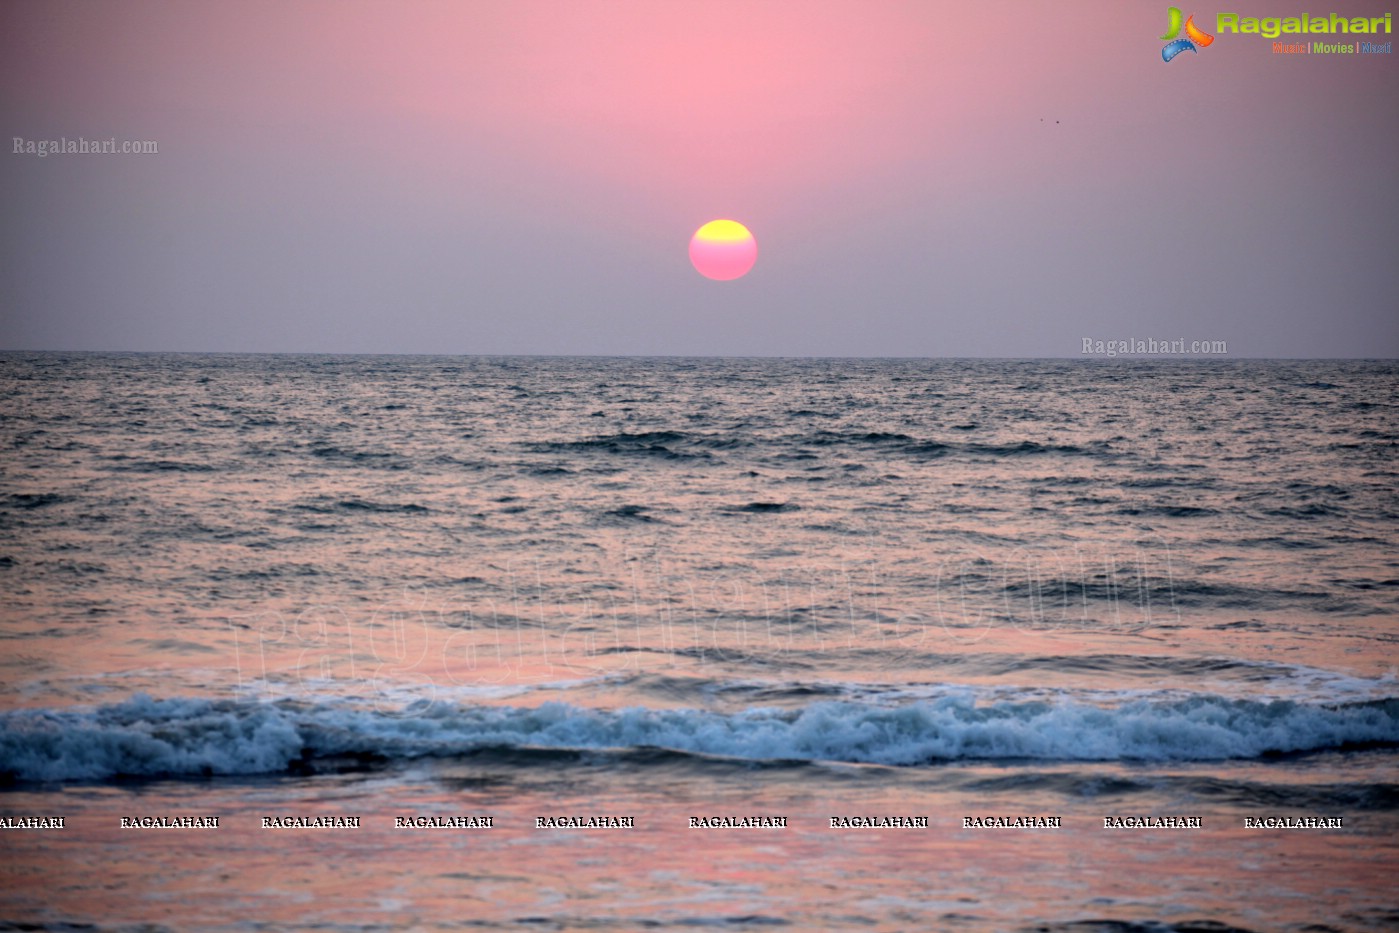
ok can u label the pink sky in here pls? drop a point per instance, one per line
(939, 165)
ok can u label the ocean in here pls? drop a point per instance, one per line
(628, 643)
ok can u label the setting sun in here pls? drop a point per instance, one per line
(723, 250)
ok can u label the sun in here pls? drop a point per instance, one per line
(723, 250)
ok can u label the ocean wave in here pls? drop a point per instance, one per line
(328, 505)
(665, 444)
(927, 448)
(194, 737)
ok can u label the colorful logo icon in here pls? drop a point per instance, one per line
(1175, 46)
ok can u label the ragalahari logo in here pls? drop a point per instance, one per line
(1175, 46)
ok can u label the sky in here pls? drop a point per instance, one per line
(995, 178)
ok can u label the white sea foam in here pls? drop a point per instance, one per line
(145, 736)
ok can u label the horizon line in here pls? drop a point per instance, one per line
(1085, 357)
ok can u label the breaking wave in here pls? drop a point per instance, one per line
(194, 737)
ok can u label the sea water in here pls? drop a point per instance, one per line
(696, 590)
